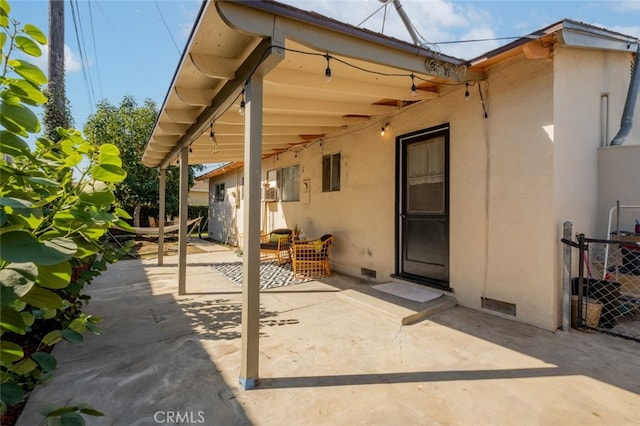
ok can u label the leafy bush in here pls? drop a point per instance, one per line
(56, 204)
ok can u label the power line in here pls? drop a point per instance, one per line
(166, 26)
(95, 50)
(82, 55)
(135, 57)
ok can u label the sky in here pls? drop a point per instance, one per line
(132, 48)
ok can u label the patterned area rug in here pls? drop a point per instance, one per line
(271, 275)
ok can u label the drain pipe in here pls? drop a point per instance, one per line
(626, 123)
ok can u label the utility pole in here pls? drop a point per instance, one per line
(55, 109)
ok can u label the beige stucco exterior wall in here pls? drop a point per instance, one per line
(514, 178)
(618, 180)
(225, 217)
(520, 185)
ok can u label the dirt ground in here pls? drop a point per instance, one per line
(147, 247)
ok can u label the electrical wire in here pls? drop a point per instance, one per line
(135, 57)
(95, 50)
(83, 60)
(166, 26)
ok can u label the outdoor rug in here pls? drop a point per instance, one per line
(271, 275)
(405, 291)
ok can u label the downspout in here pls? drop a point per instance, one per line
(626, 123)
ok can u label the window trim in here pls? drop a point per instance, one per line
(280, 176)
(219, 191)
(329, 183)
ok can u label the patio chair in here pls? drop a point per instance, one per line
(276, 245)
(310, 258)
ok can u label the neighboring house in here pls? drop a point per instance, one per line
(464, 187)
(199, 193)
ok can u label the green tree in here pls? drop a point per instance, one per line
(129, 126)
(51, 226)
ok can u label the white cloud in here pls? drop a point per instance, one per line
(435, 21)
(633, 31)
(72, 62)
(627, 5)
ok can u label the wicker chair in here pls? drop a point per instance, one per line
(276, 245)
(310, 258)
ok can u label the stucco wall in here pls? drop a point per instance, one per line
(225, 217)
(581, 78)
(520, 181)
(619, 180)
(514, 178)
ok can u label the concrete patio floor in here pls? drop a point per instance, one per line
(168, 359)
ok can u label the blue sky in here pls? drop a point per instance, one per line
(133, 47)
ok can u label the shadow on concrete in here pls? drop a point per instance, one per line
(604, 358)
(221, 318)
(149, 360)
(407, 377)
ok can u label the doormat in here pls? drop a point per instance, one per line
(271, 275)
(405, 291)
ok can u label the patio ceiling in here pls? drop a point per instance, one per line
(370, 81)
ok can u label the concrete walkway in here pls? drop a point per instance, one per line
(164, 359)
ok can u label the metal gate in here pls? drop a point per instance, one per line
(606, 292)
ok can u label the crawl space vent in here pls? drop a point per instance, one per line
(498, 306)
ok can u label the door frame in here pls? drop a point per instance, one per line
(401, 140)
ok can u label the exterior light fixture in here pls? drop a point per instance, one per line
(466, 92)
(327, 72)
(383, 129)
(414, 89)
(213, 140)
(242, 104)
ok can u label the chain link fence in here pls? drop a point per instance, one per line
(609, 298)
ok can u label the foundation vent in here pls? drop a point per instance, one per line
(498, 306)
(369, 273)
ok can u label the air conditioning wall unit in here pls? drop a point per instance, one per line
(270, 194)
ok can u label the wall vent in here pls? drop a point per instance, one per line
(498, 306)
(369, 273)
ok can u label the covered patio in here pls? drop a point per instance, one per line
(324, 361)
(261, 78)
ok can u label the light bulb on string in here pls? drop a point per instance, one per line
(213, 139)
(414, 89)
(466, 92)
(327, 72)
(242, 104)
(383, 129)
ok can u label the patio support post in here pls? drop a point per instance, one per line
(566, 278)
(161, 214)
(182, 238)
(251, 243)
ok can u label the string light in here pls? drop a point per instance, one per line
(466, 91)
(213, 140)
(242, 104)
(484, 107)
(328, 57)
(383, 129)
(327, 72)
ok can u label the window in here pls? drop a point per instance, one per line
(218, 192)
(331, 172)
(283, 184)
